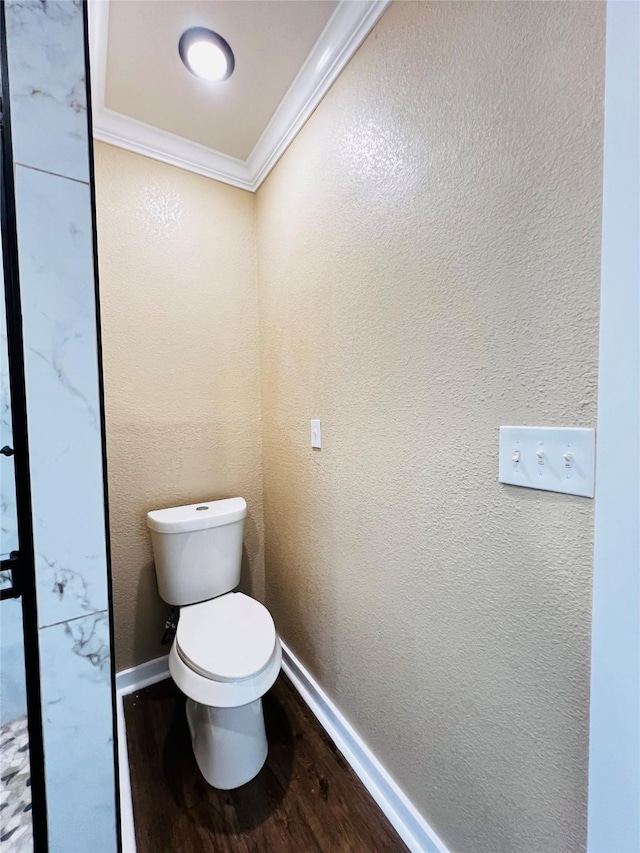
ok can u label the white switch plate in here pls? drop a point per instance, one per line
(554, 459)
(316, 434)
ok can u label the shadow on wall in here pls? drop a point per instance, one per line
(246, 581)
(149, 616)
(296, 587)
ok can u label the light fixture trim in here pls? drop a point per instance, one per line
(202, 35)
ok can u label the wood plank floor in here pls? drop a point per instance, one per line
(305, 798)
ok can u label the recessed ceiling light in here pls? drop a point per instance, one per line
(206, 54)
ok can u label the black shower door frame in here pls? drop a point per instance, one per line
(23, 567)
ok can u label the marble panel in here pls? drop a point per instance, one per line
(78, 735)
(63, 409)
(47, 83)
(8, 517)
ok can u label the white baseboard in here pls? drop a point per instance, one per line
(128, 681)
(144, 675)
(393, 802)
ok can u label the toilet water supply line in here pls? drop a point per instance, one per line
(170, 626)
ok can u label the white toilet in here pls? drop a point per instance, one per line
(226, 653)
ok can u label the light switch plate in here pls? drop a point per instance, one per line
(316, 434)
(554, 459)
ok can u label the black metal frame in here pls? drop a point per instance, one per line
(11, 564)
(27, 580)
(103, 434)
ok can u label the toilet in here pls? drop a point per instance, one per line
(226, 653)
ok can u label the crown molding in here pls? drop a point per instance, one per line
(141, 138)
(343, 34)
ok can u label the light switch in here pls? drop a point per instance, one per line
(316, 434)
(554, 459)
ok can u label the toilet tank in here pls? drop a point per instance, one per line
(197, 549)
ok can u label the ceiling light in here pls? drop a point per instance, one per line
(206, 54)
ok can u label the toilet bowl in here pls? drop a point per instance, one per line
(226, 653)
(224, 658)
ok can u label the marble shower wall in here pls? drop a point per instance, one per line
(8, 517)
(46, 69)
(13, 697)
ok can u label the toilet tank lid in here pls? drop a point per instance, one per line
(182, 519)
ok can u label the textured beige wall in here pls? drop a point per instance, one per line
(181, 368)
(428, 262)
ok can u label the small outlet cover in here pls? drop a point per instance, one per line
(316, 434)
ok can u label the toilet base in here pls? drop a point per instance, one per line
(230, 744)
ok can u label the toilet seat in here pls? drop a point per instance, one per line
(223, 694)
(228, 639)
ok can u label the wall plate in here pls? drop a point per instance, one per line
(554, 459)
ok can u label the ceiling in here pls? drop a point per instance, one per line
(147, 80)
(287, 55)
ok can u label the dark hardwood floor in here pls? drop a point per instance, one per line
(305, 798)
